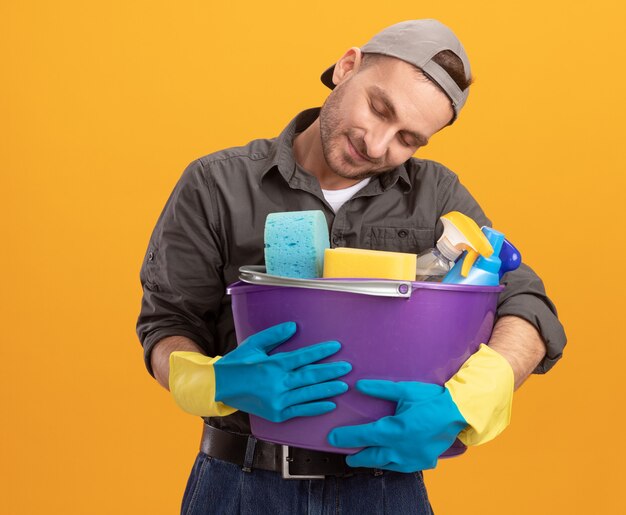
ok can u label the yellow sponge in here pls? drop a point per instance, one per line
(374, 264)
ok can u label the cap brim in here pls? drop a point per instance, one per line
(327, 77)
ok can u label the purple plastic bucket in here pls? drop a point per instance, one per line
(424, 335)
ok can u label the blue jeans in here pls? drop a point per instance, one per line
(219, 487)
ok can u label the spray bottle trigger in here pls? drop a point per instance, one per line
(468, 262)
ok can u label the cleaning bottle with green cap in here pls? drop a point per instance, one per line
(460, 233)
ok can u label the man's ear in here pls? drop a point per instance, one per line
(348, 65)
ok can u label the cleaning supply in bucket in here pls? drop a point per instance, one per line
(295, 242)
(364, 263)
(510, 257)
(480, 271)
(460, 233)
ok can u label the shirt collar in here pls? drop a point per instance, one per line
(284, 161)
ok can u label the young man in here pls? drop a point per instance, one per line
(352, 159)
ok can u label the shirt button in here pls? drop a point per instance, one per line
(336, 240)
(403, 233)
(150, 256)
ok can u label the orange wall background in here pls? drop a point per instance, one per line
(103, 104)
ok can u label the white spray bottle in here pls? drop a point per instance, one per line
(460, 233)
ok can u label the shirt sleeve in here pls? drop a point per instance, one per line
(181, 274)
(524, 294)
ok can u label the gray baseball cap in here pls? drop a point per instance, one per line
(416, 42)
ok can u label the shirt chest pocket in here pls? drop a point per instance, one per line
(398, 239)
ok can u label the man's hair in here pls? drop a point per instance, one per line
(447, 59)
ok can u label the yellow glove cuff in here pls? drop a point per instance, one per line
(483, 391)
(192, 384)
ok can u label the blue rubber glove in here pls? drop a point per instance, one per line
(281, 386)
(425, 424)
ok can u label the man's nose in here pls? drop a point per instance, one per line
(377, 141)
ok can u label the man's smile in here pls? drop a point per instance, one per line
(356, 155)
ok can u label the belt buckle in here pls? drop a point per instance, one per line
(286, 460)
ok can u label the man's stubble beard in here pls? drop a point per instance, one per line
(329, 122)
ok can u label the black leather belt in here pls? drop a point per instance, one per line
(292, 462)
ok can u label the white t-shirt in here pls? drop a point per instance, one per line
(337, 198)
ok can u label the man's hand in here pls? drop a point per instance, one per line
(277, 387)
(281, 386)
(426, 423)
(475, 405)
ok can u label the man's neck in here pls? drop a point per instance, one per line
(308, 153)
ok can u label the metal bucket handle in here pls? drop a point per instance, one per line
(378, 287)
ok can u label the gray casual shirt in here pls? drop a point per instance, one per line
(213, 223)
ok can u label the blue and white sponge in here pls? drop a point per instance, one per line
(294, 244)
